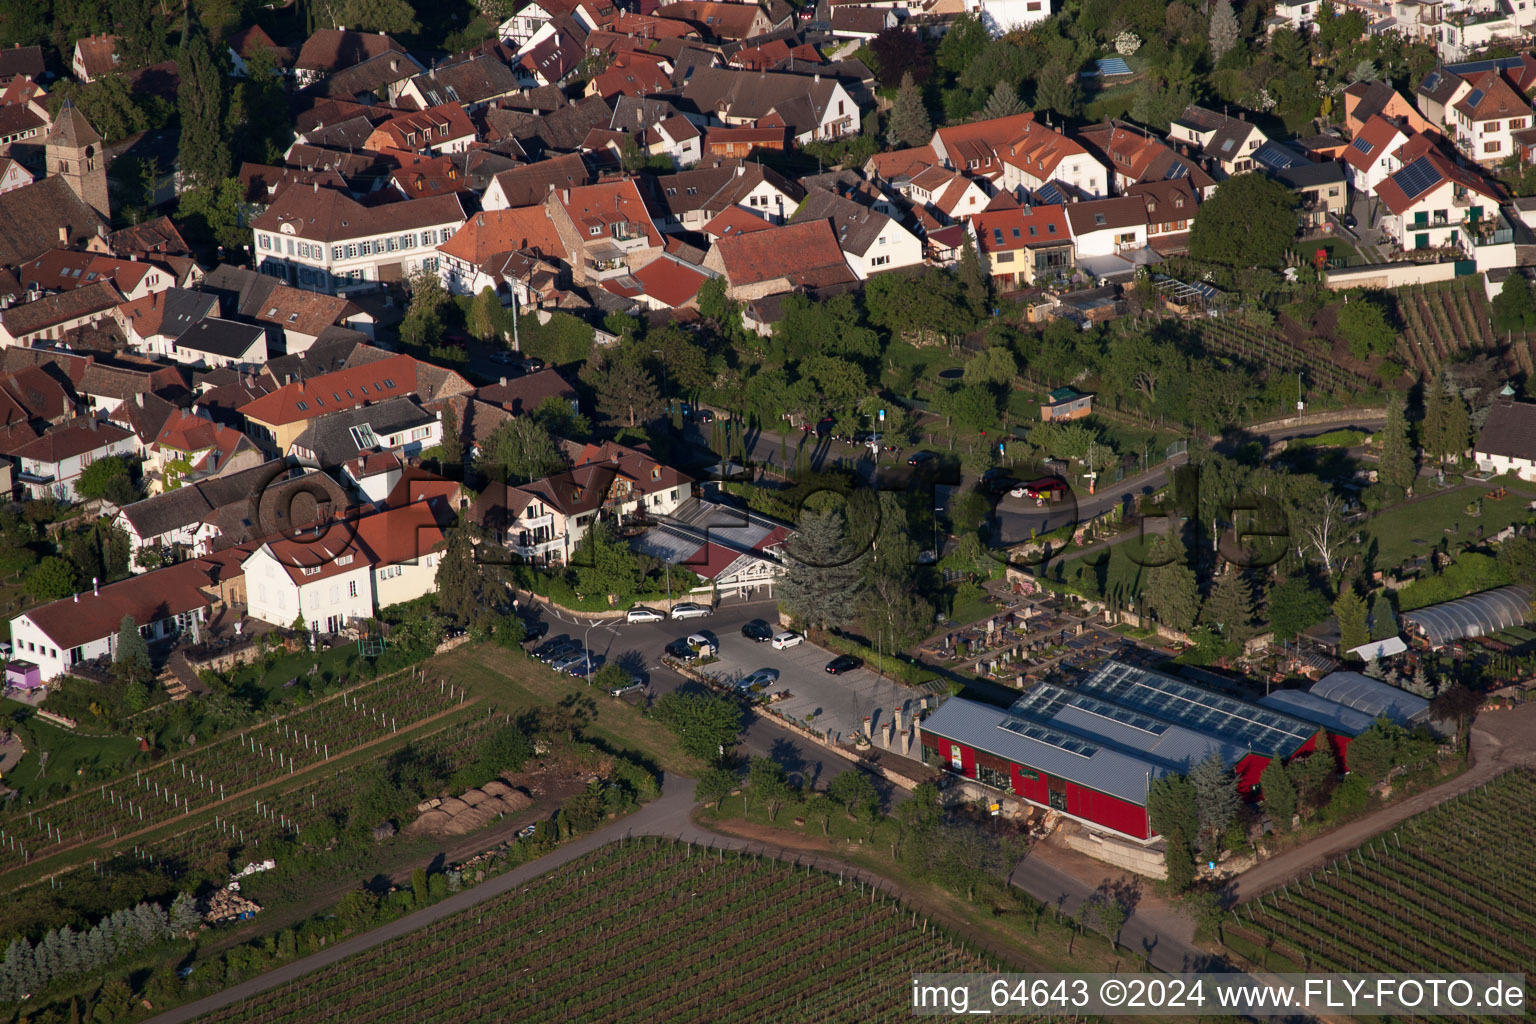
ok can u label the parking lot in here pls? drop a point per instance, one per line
(839, 703)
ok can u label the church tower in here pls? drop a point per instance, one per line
(74, 152)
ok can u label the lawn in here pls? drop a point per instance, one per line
(258, 685)
(68, 753)
(1416, 528)
(514, 681)
(1338, 250)
(1111, 571)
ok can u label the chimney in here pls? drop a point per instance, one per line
(503, 382)
(95, 587)
(63, 235)
(816, 77)
(566, 194)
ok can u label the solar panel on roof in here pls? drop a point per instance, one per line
(1417, 178)
(1475, 97)
(1176, 172)
(1039, 733)
(1362, 145)
(1431, 81)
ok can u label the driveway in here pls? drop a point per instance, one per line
(839, 703)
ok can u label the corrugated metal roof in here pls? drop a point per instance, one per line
(1249, 726)
(1331, 715)
(1372, 697)
(1123, 727)
(1476, 615)
(1043, 748)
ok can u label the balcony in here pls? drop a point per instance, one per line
(1489, 229)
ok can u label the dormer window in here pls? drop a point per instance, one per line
(311, 570)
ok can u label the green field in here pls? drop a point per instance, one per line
(515, 682)
(1418, 527)
(69, 754)
(650, 930)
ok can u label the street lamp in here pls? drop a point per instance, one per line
(587, 651)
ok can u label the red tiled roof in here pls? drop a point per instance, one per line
(188, 432)
(1376, 136)
(1007, 230)
(75, 439)
(672, 282)
(147, 598)
(608, 203)
(1496, 98)
(331, 392)
(1399, 201)
(500, 231)
(787, 252)
(733, 220)
(325, 215)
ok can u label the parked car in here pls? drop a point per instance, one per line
(555, 650)
(532, 364)
(585, 666)
(787, 639)
(527, 831)
(921, 458)
(564, 663)
(503, 356)
(762, 677)
(690, 611)
(757, 631)
(680, 650)
(643, 615)
(842, 663)
(703, 644)
(533, 629)
(633, 686)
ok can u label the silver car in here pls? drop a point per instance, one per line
(690, 611)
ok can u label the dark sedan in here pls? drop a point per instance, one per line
(757, 631)
(842, 663)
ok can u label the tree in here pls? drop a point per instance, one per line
(714, 785)
(706, 724)
(1003, 102)
(484, 312)
(994, 366)
(108, 479)
(626, 392)
(452, 446)
(54, 578)
(1171, 591)
(975, 282)
(1374, 753)
(909, 125)
(1314, 775)
(1445, 432)
(901, 54)
(1365, 327)
(397, 17)
(561, 420)
(204, 154)
(462, 593)
(1383, 621)
(357, 908)
(1230, 608)
(822, 574)
(1216, 801)
(1057, 89)
(1279, 794)
(1172, 806)
(419, 889)
(603, 564)
(140, 32)
(1350, 612)
(1459, 705)
(1223, 31)
(1514, 308)
(1397, 466)
(1249, 222)
(766, 782)
(855, 793)
(519, 450)
(1295, 605)
(1112, 919)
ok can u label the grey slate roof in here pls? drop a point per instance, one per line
(331, 440)
(856, 227)
(216, 336)
(1043, 748)
(1510, 431)
(1372, 697)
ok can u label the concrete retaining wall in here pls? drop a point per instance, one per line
(1389, 275)
(1139, 859)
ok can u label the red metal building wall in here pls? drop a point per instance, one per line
(1109, 811)
(1248, 771)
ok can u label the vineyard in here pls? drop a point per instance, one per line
(1449, 890)
(644, 930)
(1268, 347)
(211, 774)
(1442, 322)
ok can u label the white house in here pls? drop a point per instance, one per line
(373, 475)
(1505, 444)
(1487, 116)
(1107, 228)
(51, 465)
(871, 241)
(214, 342)
(526, 23)
(343, 570)
(324, 240)
(1372, 156)
(949, 195)
(1019, 152)
(1003, 16)
(1230, 141)
(1431, 202)
(59, 635)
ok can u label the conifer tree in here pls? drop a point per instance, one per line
(1397, 466)
(910, 124)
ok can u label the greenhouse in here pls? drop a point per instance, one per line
(1481, 614)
